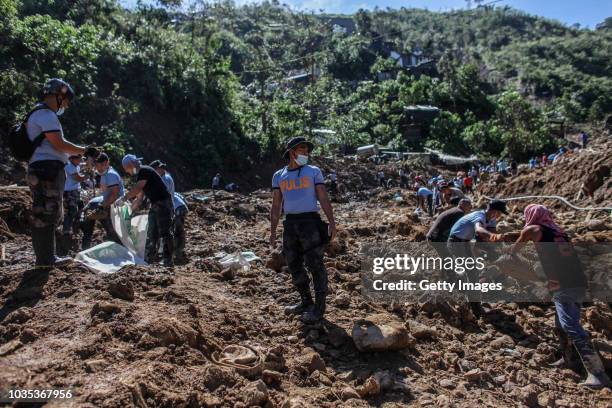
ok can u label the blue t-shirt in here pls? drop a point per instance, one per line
(45, 121)
(71, 184)
(109, 179)
(298, 188)
(465, 227)
(169, 182)
(423, 191)
(178, 201)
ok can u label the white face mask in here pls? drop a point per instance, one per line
(134, 171)
(301, 159)
(59, 112)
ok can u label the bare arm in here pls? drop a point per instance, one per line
(275, 212)
(137, 189)
(327, 208)
(137, 202)
(78, 177)
(113, 195)
(59, 143)
(530, 233)
(483, 232)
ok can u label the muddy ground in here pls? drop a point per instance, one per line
(154, 337)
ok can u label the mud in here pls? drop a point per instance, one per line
(154, 337)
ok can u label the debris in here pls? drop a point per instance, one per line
(380, 333)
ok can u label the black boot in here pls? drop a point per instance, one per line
(305, 302)
(596, 373)
(316, 313)
(43, 241)
(569, 358)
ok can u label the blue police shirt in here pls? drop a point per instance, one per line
(71, 184)
(465, 227)
(298, 188)
(109, 179)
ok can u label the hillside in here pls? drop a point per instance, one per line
(208, 90)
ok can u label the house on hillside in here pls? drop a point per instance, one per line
(343, 25)
(414, 62)
(416, 120)
(303, 76)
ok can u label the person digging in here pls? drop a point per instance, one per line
(297, 190)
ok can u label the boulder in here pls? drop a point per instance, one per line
(381, 332)
(256, 393)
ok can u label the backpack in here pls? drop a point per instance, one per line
(18, 141)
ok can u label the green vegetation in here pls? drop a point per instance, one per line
(207, 88)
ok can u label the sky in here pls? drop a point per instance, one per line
(587, 13)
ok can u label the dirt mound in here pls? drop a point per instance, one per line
(565, 178)
(15, 204)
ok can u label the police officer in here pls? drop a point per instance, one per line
(46, 176)
(98, 209)
(296, 189)
(180, 211)
(161, 213)
(72, 193)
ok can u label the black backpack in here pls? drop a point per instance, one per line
(18, 141)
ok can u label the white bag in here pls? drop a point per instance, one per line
(108, 257)
(132, 231)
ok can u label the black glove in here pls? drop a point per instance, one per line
(92, 151)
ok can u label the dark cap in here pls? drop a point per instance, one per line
(499, 205)
(102, 158)
(158, 164)
(294, 142)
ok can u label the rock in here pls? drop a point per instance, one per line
(93, 366)
(105, 308)
(28, 336)
(274, 360)
(597, 225)
(500, 379)
(310, 362)
(599, 321)
(256, 393)
(19, 316)
(380, 332)
(348, 393)
(171, 331)
(337, 336)
(227, 274)
(293, 339)
(342, 299)
(473, 375)
(529, 395)
(420, 331)
(271, 377)
(10, 347)
(446, 383)
(276, 261)
(296, 402)
(504, 341)
(370, 388)
(546, 399)
(121, 289)
(215, 376)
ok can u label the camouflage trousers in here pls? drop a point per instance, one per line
(46, 179)
(71, 202)
(159, 227)
(303, 250)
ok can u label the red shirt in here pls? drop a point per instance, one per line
(467, 181)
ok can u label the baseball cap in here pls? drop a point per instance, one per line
(157, 163)
(130, 158)
(497, 204)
